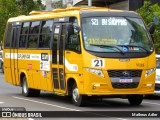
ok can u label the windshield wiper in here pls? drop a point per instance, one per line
(111, 46)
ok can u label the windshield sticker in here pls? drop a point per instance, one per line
(98, 41)
(133, 48)
(98, 63)
(109, 21)
(136, 48)
(125, 49)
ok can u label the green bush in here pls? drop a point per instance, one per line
(149, 12)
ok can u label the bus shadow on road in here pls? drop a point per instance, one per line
(91, 102)
(152, 97)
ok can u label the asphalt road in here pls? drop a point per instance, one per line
(10, 96)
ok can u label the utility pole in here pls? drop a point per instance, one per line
(70, 3)
(90, 3)
(48, 5)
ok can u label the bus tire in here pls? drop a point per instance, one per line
(77, 99)
(28, 92)
(135, 99)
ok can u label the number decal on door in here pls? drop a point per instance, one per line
(98, 63)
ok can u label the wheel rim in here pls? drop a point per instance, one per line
(25, 87)
(75, 95)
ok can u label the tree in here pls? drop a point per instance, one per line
(41, 6)
(13, 8)
(8, 8)
(27, 6)
(151, 13)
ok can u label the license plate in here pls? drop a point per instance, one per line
(125, 80)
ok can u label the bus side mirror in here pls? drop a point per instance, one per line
(77, 29)
(73, 29)
(151, 28)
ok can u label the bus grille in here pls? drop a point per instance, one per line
(120, 73)
(116, 75)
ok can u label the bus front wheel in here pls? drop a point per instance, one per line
(135, 99)
(78, 100)
(28, 92)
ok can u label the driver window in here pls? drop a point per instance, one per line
(73, 41)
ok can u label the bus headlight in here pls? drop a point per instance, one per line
(157, 77)
(95, 71)
(148, 72)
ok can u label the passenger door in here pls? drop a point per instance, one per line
(14, 53)
(59, 84)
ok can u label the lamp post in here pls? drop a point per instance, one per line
(89, 3)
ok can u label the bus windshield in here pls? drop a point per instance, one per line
(115, 34)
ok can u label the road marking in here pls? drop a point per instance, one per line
(151, 103)
(46, 103)
(30, 119)
(63, 107)
(1, 102)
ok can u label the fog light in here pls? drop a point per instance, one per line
(149, 85)
(95, 86)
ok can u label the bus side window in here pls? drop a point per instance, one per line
(46, 34)
(24, 34)
(73, 41)
(8, 36)
(34, 34)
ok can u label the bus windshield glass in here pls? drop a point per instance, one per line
(115, 34)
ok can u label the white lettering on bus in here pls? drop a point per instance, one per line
(23, 56)
(115, 21)
(104, 22)
(94, 21)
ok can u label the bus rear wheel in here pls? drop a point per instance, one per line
(135, 99)
(28, 92)
(77, 99)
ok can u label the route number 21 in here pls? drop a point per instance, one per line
(97, 63)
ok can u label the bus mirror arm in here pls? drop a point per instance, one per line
(151, 28)
(73, 29)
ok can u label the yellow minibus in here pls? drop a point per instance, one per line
(80, 52)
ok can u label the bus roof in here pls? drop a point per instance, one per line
(72, 11)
